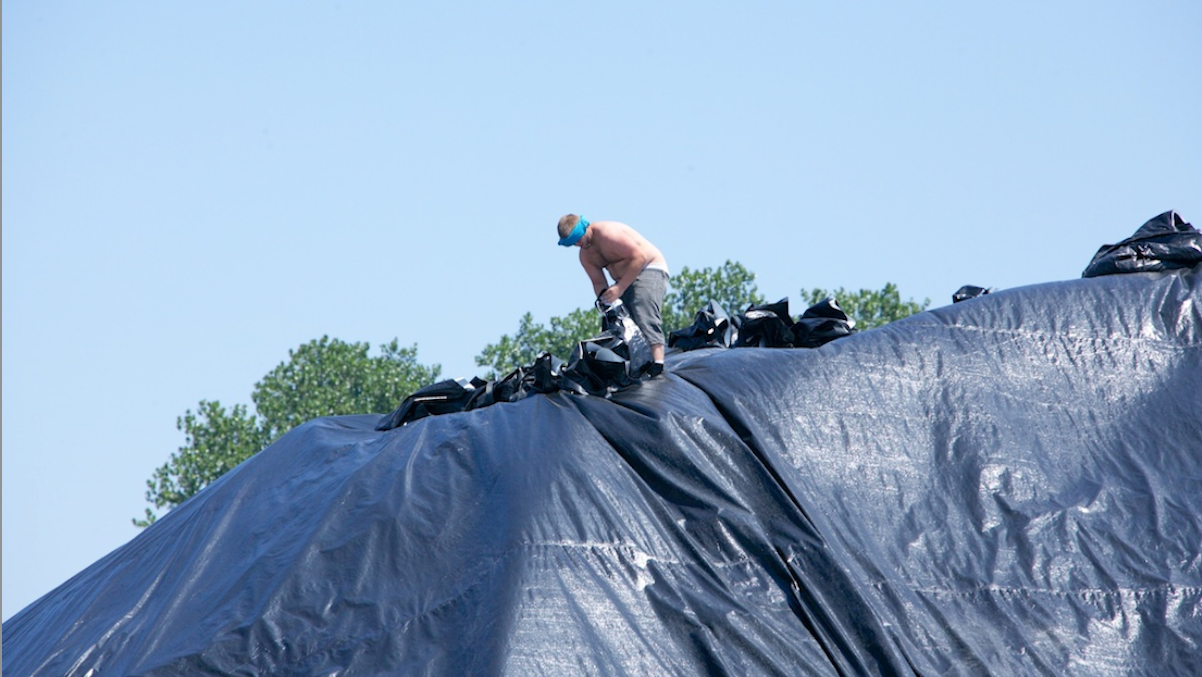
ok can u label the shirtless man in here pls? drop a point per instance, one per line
(638, 269)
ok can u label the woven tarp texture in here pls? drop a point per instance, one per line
(1011, 485)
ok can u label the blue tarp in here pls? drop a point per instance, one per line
(1011, 485)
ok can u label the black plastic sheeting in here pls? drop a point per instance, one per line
(1165, 242)
(1006, 486)
(620, 357)
(617, 358)
(712, 327)
(764, 326)
(969, 291)
(1011, 485)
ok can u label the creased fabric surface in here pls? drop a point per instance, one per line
(1008, 486)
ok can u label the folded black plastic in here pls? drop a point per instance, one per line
(969, 291)
(1011, 486)
(444, 397)
(1163, 243)
(711, 328)
(821, 323)
(616, 359)
(620, 356)
(629, 340)
(764, 326)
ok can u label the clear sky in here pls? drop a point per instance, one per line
(192, 189)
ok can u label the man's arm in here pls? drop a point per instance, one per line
(595, 274)
(621, 247)
(632, 267)
(633, 264)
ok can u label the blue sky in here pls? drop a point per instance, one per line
(192, 189)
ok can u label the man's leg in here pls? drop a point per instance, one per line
(657, 361)
(645, 300)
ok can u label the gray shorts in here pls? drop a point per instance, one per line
(645, 299)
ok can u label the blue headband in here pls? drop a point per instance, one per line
(574, 236)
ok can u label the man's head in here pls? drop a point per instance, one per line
(571, 228)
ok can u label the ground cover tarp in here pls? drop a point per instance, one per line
(1011, 485)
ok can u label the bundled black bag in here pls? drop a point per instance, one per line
(969, 291)
(1163, 243)
(598, 366)
(712, 328)
(631, 344)
(544, 375)
(821, 323)
(768, 325)
(603, 364)
(444, 397)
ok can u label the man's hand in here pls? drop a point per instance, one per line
(611, 294)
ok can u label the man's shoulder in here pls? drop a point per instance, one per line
(611, 228)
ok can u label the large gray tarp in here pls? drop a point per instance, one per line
(1011, 486)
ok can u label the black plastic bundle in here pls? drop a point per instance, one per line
(540, 377)
(444, 397)
(767, 325)
(712, 328)
(969, 291)
(628, 342)
(598, 366)
(1163, 243)
(821, 323)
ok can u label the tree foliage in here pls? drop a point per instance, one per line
(324, 377)
(215, 440)
(328, 377)
(867, 307)
(558, 337)
(731, 284)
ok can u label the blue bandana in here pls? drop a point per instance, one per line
(574, 236)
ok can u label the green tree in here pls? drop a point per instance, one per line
(558, 338)
(324, 377)
(215, 440)
(328, 377)
(869, 308)
(731, 284)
